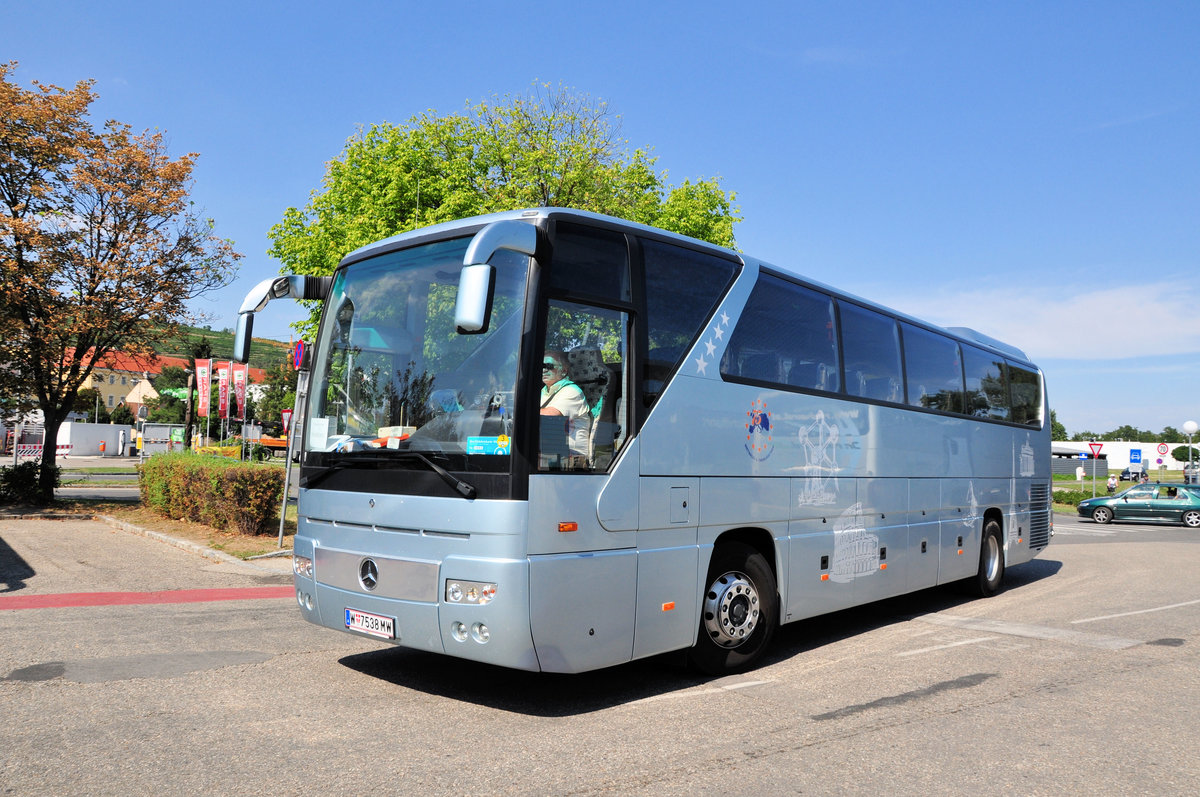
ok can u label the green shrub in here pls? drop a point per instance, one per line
(19, 483)
(1073, 497)
(218, 492)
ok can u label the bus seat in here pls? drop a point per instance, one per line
(811, 375)
(764, 366)
(586, 368)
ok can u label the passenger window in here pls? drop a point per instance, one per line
(1026, 390)
(933, 371)
(785, 336)
(683, 288)
(582, 404)
(986, 386)
(871, 352)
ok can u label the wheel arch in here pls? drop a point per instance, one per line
(760, 540)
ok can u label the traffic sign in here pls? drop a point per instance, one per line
(1162, 448)
(298, 355)
(287, 420)
(1095, 448)
(1135, 456)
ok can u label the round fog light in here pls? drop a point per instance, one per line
(458, 631)
(481, 633)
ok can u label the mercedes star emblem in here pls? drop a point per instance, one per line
(368, 574)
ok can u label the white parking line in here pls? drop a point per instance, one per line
(950, 645)
(1032, 631)
(711, 690)
(1139, 611)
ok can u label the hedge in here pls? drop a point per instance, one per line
(217, 492)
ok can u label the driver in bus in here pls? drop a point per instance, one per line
(561, 396)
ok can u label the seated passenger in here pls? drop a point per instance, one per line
(561, 396)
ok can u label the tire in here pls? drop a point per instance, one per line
(1191, 519)
(1102, 514)
(986, 582)
(739, 611)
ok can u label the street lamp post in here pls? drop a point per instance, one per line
(1190, 429)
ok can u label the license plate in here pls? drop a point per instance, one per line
(373, 624)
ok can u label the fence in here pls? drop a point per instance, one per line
(32, 450)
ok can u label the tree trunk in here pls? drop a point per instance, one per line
(48, 476)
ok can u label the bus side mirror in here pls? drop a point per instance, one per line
(473, 308)
(241, 337)
(477, 282)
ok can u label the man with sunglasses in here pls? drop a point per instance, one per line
(561, 396)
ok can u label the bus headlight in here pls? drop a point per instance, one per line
(302, 566)
(470, 592)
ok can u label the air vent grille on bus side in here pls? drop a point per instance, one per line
(1039, 517)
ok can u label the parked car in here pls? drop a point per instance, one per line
(1166, 503)
(1132, 474)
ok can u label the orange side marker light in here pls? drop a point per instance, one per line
(568, 526)
(669, 606)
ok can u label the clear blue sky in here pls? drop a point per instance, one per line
(1029, 169)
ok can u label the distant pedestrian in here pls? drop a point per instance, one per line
(121, 443)
(1112, 484)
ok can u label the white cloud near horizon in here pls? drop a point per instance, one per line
(1132, 316)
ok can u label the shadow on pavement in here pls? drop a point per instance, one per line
(554, 695)
(14, 571)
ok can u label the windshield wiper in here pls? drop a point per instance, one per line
(463, 488)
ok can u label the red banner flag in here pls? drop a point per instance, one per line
(240, 375)
(203, 385)
(223, 390)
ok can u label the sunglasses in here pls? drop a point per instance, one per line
(549, 365)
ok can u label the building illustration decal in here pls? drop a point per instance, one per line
(855, 550)
(819, 440)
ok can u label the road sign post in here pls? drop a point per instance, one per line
(1095, 458)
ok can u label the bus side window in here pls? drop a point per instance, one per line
(784, 322)
(682, 290)
(594, 341)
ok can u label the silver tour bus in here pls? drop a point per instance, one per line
(553, 440)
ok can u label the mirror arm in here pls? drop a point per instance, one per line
(295, 286)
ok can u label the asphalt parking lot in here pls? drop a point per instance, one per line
(132, 666)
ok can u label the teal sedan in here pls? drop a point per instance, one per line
(1166, 503)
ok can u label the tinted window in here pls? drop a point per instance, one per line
(682, 290)
(1026, 389)
(871, 352)
(933, 373)
(784, 336)
(987, 388)
(590, 262)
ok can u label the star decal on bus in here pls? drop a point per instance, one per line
(710, 348)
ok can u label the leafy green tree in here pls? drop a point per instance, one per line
(551, 148)
(1057, 430)
(279, 394)
(1170, 434)
(1180, 453)
(123, 416)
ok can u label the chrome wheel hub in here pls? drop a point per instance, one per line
(731, 610)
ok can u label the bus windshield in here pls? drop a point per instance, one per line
(392, 376)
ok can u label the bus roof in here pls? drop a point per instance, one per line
(533, 215)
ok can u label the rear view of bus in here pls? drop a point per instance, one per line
(556, 441)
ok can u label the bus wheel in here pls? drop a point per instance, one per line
(739, 613)
(991, 562)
